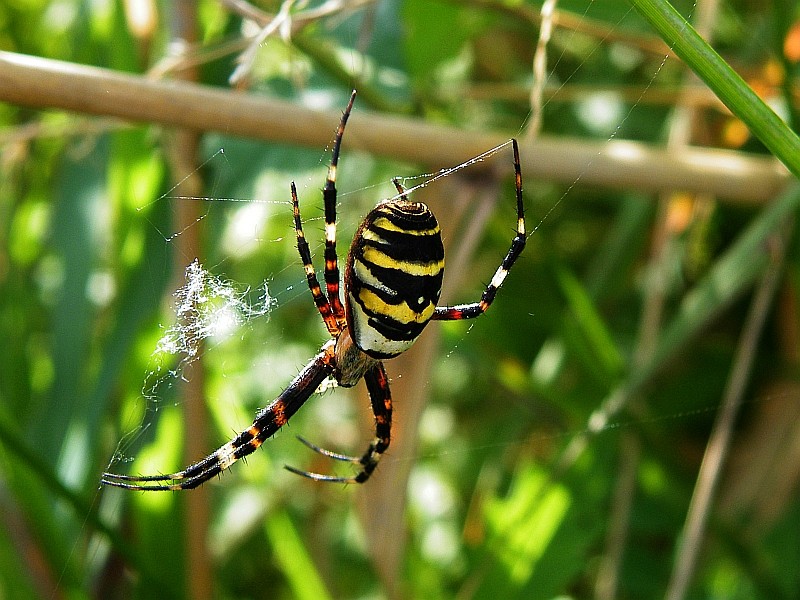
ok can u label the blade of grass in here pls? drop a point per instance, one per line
(295, 561)
(723, 80)
(78, 195)
(740, 267)
(585, 319)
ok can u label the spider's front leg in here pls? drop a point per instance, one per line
(329, 197)
(329, 307)
(380, 396)
(323, 305)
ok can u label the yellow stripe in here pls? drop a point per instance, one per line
(380, 259)
(373, 237)
(385, 223)
(401, 313)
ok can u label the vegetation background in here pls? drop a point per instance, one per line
(623, 423)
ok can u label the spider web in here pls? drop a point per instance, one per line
(206, 310)
(205, 307)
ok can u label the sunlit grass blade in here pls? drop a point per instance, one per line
(723, 80)
(295, 561)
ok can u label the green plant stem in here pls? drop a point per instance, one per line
(729, 87)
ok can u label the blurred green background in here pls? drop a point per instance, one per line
(552, 448)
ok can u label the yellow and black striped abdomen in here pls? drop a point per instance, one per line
(393, 277)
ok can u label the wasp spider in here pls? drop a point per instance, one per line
(392, 283)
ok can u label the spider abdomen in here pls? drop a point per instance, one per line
(393, 277)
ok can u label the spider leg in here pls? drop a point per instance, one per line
(378, 386)
(329, 196)
(323, 306)
(266, 423)
(324, 452)
(475, 309)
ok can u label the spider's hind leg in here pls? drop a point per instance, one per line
(267, 422)
(378, 386)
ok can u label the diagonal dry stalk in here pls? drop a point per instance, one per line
(719, 443)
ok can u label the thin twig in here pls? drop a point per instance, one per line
(540, 69)
(643, 94)
(299, 19)
(607, 583)
(578, 23)
(680, 135)
(198, 54)
(281, 22)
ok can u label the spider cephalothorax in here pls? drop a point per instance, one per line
(393, 278)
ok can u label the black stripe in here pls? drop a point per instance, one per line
(394, 330)
(392, 236)
(405, 247)
(405, 215)
(401, 245)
